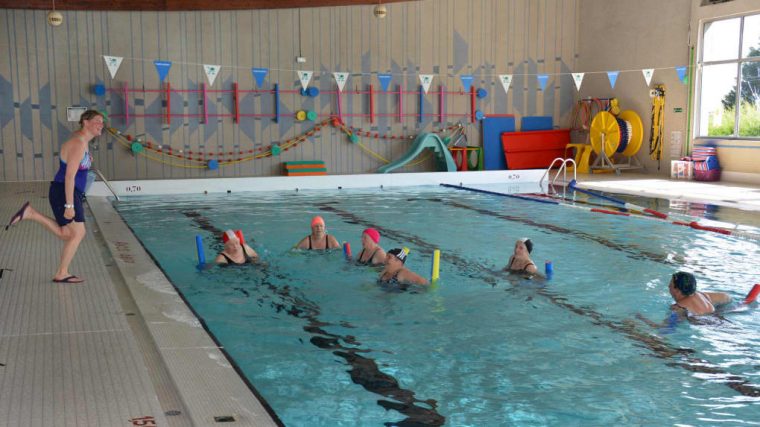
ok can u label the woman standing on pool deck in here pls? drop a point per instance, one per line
(318, 239)
(66, 194)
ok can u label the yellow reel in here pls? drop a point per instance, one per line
(605, 124)
(637, 132)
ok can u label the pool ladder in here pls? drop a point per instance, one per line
(562, 170)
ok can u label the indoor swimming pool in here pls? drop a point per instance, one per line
(325, 345)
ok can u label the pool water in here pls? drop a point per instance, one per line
(326, 346)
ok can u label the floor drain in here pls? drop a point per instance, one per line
(225, 419)
(172, 413)
(129, 314)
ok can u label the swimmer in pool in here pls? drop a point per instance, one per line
(318, 239)
(236, 252)
(372, 253)
(395, 273)
(683, 289)
(520, 261)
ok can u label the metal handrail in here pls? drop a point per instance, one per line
(562, 169)
(105, 181)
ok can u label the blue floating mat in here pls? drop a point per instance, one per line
(493, 153)
(536, 123)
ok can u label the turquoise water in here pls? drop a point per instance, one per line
(326, 346)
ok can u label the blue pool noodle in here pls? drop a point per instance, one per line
(201, 254)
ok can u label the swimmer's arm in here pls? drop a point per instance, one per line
(408, 276)
(251, 252)
(303, 244)
(531, 268)
(332, 242)
(509, 264)
(718, 297)
(379, 258)
(220, 259)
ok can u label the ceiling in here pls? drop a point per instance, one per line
(179, 5)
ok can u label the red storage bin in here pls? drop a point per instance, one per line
(534, 149)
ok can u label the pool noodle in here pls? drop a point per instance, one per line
(435, 268)
(199, 246)
(753, 293)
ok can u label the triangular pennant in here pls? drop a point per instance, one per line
(506, 80)
(259, 74)
(162, 67)
(542, 80)
(113, 63)
(681, 74)
(340, 78)
(305, 78)
(612, 76)
(211, 72)
(426, 80)
(648, 73)
(385, 80)
(578, 79)
(466, 81)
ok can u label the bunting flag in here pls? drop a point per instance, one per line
(211, 72)
(305, 78)
(466, 81)
(578, 79)
(542, 80)
(113, 63)
(648, 73)
(340, 78)
(506, 80)
(385, 80)
(162, 68)
(682, 75)
(259, 74)
(612, 75)
(426, 80)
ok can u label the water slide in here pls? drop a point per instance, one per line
(425, 140)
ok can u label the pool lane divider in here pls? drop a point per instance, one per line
(364, 371)
(689, 222)
(678, 356)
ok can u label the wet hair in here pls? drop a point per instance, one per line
(685, 282)
(89, 115)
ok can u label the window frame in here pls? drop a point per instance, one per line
(737, 88)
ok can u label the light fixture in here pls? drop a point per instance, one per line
(54, 18)
(380, 11)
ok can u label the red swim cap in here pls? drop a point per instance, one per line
(373, 234)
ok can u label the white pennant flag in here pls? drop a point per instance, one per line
(341, 79)
(113, 63)
(648, 73)
(506, 80)
(426, 80)
(578, 79)
(211, 72)
(305, 78)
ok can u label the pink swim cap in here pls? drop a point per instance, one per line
(317, 220)
(373, 234)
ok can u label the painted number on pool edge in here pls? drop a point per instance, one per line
(123, 252)
(133, 189)
(144, 421)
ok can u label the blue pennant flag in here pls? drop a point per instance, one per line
(466, 81)
(385, 80)
(612, 75)
(162, 67)
(542, 80)
(681, 74)
(259, 74)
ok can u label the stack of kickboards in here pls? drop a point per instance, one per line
(304, 168)
(706, 166)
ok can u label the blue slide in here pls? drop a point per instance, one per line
(425, 140)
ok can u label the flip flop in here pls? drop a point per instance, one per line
(18, 216)
(69, 279)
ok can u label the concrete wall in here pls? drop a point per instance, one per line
(633, 35)
(43, 70)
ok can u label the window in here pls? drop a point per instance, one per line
(730, 64)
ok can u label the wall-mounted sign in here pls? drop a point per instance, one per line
(74, 113)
